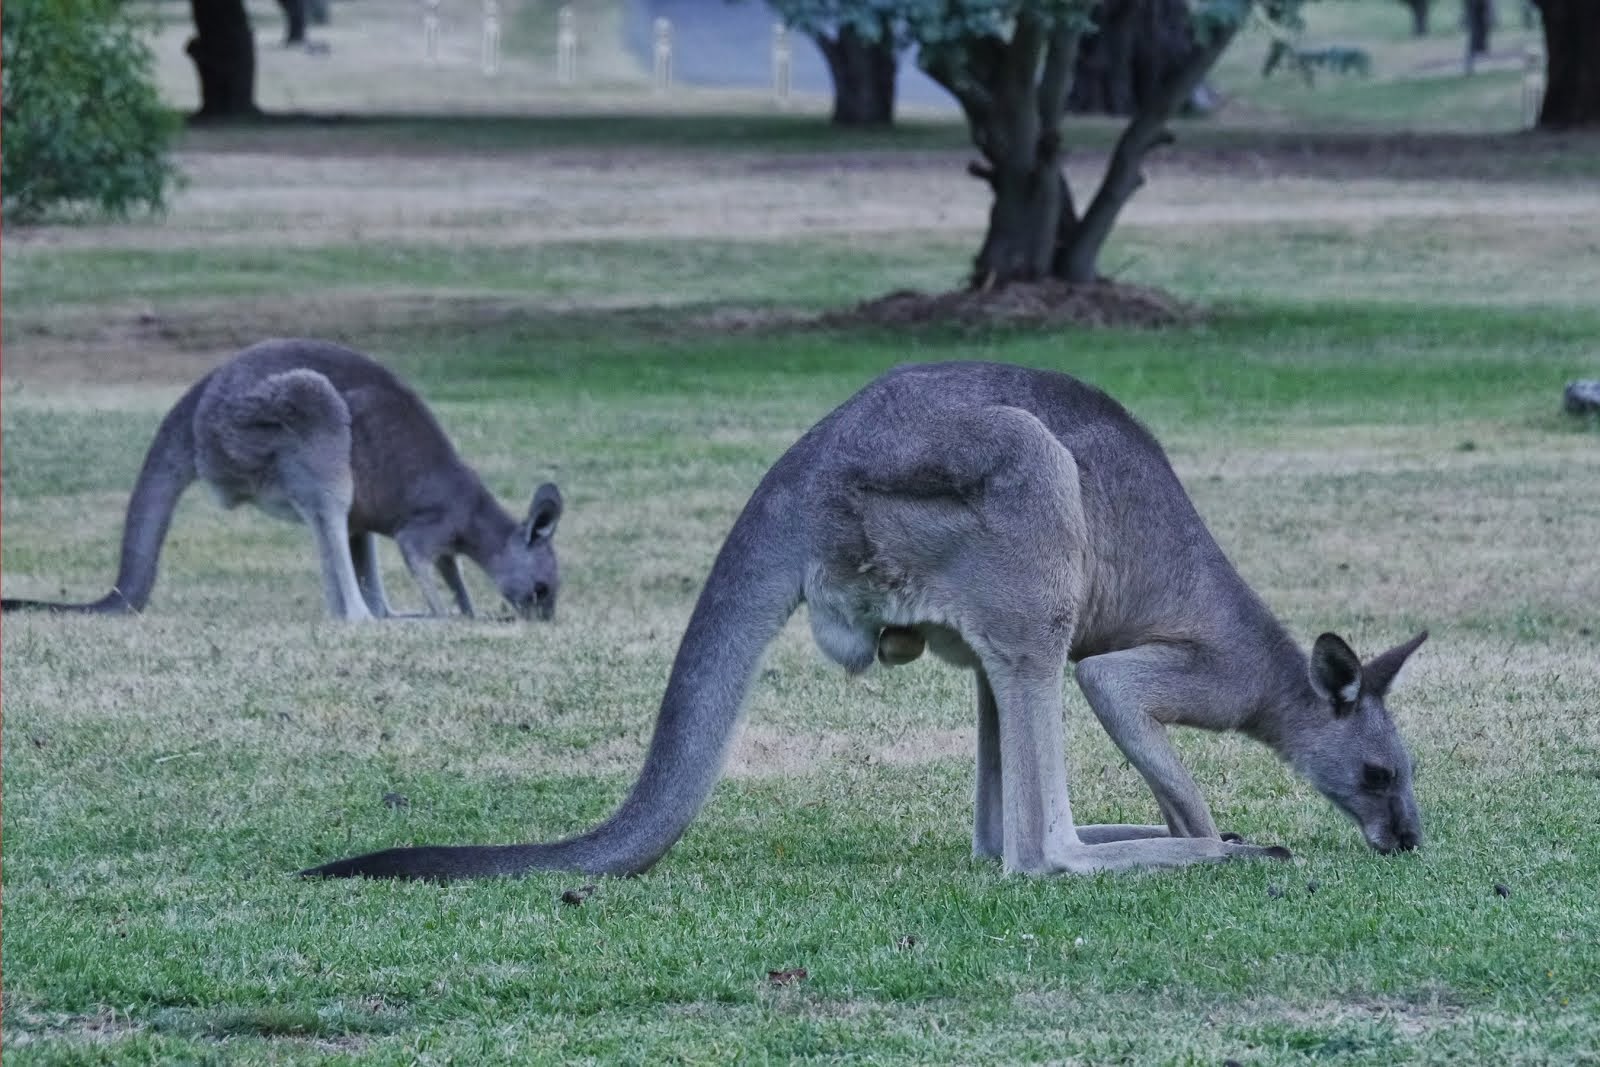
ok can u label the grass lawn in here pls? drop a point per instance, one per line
(1368, 417)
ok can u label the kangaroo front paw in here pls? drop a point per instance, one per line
(1231, 837)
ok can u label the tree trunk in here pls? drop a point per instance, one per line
(1419, 17)
(1013, 92)
(1479, 17)
(1031, 203)
(224, 53)
(1136, 46)
(1572, 65)
(863, 76)
(294, 21)
(1078, 252)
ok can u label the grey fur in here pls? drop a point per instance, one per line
(1011, 521)
(318, 433)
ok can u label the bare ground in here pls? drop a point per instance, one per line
(1047, 303)
(315, 192)
(251, 200)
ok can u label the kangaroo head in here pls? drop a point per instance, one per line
(525, 568)
(1353, 754)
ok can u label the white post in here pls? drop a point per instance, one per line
(663, 73)
(1532, 86)
(782, 63)
(567, 45)
(491, 38)
(430, 32)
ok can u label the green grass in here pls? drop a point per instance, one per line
(1415, 83)
(163, 777)
(1367, 417)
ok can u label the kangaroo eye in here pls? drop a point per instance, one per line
(1374, 776)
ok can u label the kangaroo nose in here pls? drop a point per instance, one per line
(541, 591)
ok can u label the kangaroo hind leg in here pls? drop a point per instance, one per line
(369, 577)
(1013, 590)
(973, 523)
(289, 434)
(988, 806)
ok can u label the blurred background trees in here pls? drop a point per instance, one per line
(84, 127)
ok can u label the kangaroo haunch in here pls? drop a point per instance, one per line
(1011, 521)
(317, 433)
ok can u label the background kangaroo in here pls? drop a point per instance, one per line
(318, 433)
(1011, 521)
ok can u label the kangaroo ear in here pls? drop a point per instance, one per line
(543, 513)
(1380, 670)
(1336, 672)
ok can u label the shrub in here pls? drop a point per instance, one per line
(82, 123)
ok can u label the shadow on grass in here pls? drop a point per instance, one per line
(610, 130)
(1208, 144)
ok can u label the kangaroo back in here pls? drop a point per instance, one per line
(168, 470)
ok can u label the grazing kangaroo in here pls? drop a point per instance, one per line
(1010, 520)
(318, 433)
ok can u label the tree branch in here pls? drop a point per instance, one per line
(973, 96)
(1148, 128)
(1055, 84)
(1022, 53)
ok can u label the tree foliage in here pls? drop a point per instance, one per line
(83, 123)
(861, 41)
(871, 20)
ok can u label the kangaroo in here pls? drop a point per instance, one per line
(318, 433)
(1011, 521)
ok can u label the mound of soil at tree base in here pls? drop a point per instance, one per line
(1046, 303)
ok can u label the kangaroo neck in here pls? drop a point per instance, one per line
(1285, 701)
(486, 531)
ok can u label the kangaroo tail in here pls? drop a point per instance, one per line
(168, 470)
(752, 590)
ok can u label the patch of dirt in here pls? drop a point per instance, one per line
(736, 319)
(768, 752)
(1508, 157)
(765, 752)
(26, 1027)
(926, 746)
(1408, 1017)
(256, 200)
(142, 345)
(1046, 303)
